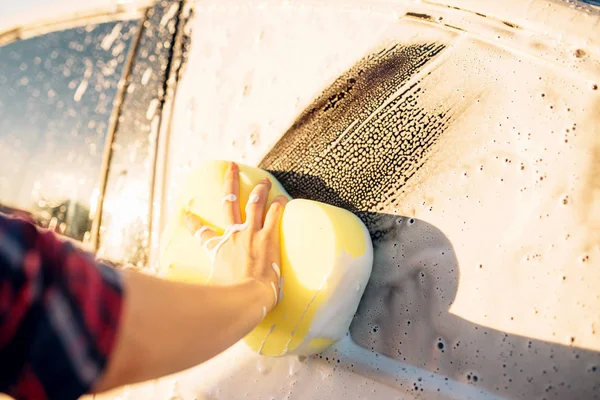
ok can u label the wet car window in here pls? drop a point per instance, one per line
(125, 223)
(56, 98)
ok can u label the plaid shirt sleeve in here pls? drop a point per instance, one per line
(59, 313)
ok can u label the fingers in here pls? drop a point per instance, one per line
(195, 227)
(231, 195)
(274, 214)
(255, 209)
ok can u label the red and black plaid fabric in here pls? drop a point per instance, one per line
(59, 314)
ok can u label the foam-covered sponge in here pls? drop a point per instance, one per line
(327, 257)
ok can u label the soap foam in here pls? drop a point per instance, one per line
(221, 241)
(199, 232)
(253, 199)
(229, 198)
(276, 269)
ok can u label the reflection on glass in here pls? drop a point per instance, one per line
(56, 99)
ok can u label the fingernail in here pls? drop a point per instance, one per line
(232, 166)
(281, 199)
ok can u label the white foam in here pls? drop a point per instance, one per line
(199, 232)
(276, 269)
(275, 292)
(229, 198)
(221, 241)
(253, 199)
(262, 345)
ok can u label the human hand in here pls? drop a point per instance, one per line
(250, 250)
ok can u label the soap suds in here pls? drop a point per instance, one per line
(232, 229)
(229, 198)
(276, 269)
(456, 168)
(386, 133)
(198, 234)
(275, 293)
(235, 228)
(262, 345)
(293, 331)
(253, 199)
(210, 241)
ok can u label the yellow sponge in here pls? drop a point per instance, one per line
(327, 256)
(181, 258)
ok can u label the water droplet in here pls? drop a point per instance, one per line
(261, 366)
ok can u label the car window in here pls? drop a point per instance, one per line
(56, 98)
(126, 214)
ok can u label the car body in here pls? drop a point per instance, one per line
(464, 133)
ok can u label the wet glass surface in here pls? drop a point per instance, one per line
(125, 221)
(56, 100)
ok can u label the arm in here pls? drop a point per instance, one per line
(168, 327)
(69, 323)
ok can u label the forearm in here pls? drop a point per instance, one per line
(168, 327)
